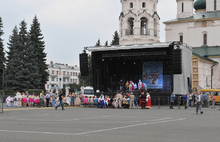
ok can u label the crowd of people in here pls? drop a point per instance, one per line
(197, 100)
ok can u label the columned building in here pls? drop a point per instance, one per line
(201, 30)
(139, 22)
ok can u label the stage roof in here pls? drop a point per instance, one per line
(128, 47)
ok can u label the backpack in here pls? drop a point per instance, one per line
(15, 99)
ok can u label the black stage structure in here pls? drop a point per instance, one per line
(111, 64)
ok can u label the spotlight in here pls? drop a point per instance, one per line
(103, 60)
(134, 63)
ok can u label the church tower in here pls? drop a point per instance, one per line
(139, 22)
(184, 8)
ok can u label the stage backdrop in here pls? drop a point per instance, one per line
(153, 74)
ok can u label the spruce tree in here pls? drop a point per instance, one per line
(36, 38)
(106, 43)
(98, 43)
(115, 40)
(2, 53)
(11, 80)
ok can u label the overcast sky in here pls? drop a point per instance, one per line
(70, 25)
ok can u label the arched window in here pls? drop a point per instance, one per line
(205, 39)
(182, 7)
(215, 4)
(181, 38)
(130, 30)
(144, 26)
(155, 27)
(131, 5)
(143, 5)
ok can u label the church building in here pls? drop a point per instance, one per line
(139, 22)
(201, 30)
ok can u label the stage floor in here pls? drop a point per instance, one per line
(109, 125)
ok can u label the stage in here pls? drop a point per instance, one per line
(152, 63)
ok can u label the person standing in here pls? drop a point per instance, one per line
(120, 97)
(18, 94)
(199, 102)
(42, 99)
(132, 100)
(47, 99)
(213, 101)
(184, 97)
(142, 100)
(15, 101)
(204, 97)
(190, 99)
(121, 84)
(172, 100)
(53, 98)
(61, 101)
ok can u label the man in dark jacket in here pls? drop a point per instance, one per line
(61, 101)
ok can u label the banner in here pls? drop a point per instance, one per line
(153, 74)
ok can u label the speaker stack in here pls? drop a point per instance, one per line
(84, 64)
(177, 61)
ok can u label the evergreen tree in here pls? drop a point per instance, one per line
(11, 63)
(115, 40)
(2, 53)
(106, 43)
(98, 43)
(38, 49)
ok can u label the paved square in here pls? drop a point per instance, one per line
(109, 125)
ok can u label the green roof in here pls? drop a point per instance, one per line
(205, 58)
(200, 4)
(207, 51)
(199, 16)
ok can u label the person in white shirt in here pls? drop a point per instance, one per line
(199, 102)
(8, 101)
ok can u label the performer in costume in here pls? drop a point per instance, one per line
(148, 100)
(127, 86)
(140, 85)
(142, 102)
(25, 100)
(131, 86)
(101, 101)
(135, 86)
(22, 99)
(8, 101)
(38, 101)
(115, 102)
(96, 101)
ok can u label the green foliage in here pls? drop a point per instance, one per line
(36, 40)
(2, 53)
(87, 80)
(106, 43)
(98, 43)
(36, 91)
(8, 92)
(75, 86)
(115, 40)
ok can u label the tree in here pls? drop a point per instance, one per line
(98, 43)
(115, 40)
(75, 86)
(11, 71)
(87, 80)
(106, 43)
(2, 53)
(36, 38)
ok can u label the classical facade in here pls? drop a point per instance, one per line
(60, 75)
(201, 31)
(139, 22)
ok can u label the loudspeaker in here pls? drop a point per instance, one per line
(177, 61)
(84, 64)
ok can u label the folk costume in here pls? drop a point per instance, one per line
(101, 101)
(140, 85)
(8, 101)
(148, 104)
(142, 102)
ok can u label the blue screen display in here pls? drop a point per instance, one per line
(153, 74)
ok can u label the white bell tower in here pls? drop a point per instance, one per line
(184, 8)
(139, 22)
